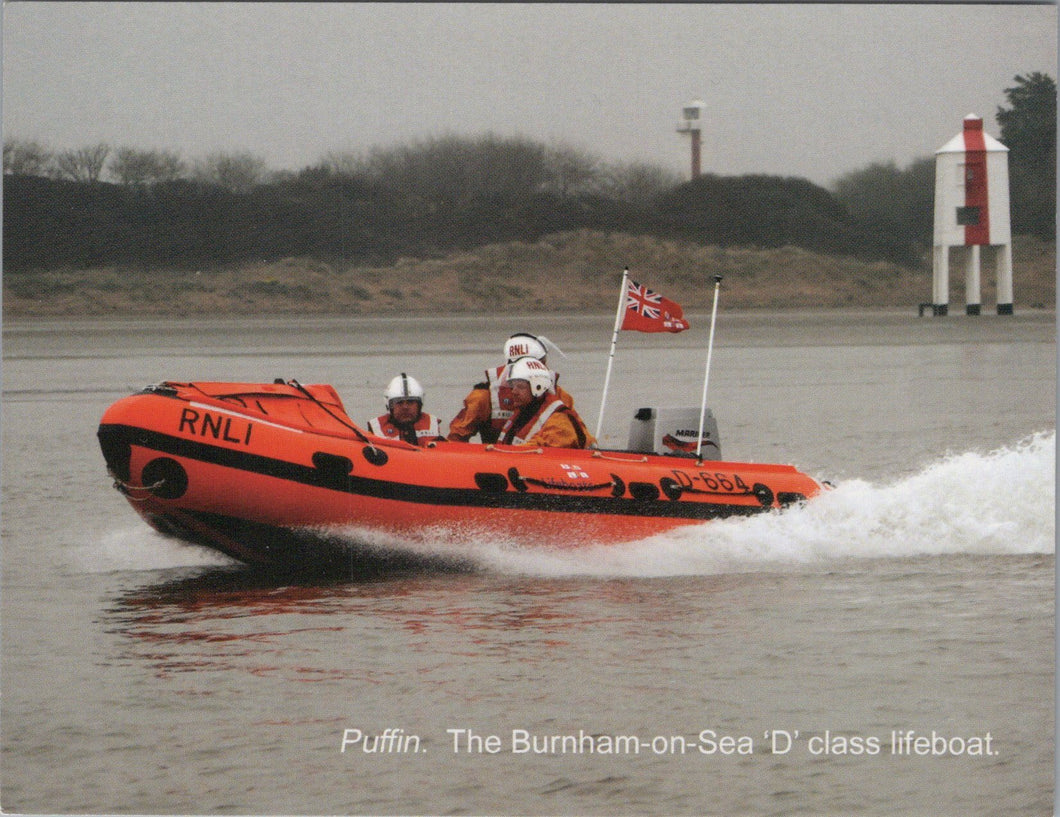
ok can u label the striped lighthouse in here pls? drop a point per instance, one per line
(972, 213)
(692, 124)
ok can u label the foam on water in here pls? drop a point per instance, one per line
(996, 503)
(1002, 502)
(138, 547)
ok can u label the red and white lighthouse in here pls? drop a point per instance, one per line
(692, 124)
(972, 213)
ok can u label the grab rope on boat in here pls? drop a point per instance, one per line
(565, 486)
(600, 455)
(127, 489)
(520, 483)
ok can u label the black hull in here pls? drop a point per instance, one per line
(298, 552)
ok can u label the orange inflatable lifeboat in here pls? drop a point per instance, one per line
(277, 475)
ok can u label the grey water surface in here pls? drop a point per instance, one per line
(887, 649)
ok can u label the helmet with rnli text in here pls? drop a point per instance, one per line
(403, 387)
(533, 371)
(523, 344)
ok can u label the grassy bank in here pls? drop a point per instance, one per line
(578, 271)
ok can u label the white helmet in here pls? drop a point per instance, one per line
(534, 372)
(523, 344)
(403, 387)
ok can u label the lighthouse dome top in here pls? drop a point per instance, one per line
(973, 125)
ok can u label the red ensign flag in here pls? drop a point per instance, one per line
(648, 311)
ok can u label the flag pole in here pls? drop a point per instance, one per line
(706, 375)
(611, 357)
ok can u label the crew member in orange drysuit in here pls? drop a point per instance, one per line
(539, 417)
(489, 405)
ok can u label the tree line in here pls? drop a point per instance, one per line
(440, 166)
(369, 220)
(902, 200)
(129, 166)
(151, 208)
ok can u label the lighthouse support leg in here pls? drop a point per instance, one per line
(972, 279)
(940, 284)
(1004, 279)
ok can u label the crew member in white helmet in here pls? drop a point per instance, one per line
(489, 404)
(539, 417)
(405, 418)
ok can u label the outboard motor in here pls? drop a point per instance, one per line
(673, 431)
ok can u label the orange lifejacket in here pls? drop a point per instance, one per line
(423, 431)
(552, 423)
(489, 405)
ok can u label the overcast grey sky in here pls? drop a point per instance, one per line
(799, 90)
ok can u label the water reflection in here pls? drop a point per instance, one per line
(372, 631)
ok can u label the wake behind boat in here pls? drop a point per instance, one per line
(268, 473)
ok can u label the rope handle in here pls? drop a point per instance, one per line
(602, 456)
(127, 489)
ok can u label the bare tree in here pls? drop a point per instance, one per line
(238, 172)
(139, 167)
(26, 158)
(636, 182)
(571, 170)
(455, 168)
(345, 163)
(83, 164)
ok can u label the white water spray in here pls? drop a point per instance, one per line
(999, 503)
(138, 547)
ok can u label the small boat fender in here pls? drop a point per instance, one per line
(517, 481)
(376, 456)
(332, 463)
(644, 491)
(491, 483)
(165, 478)
(671, 488)
(334, 469)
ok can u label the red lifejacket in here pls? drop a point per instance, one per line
(423, 431)
(501, 407)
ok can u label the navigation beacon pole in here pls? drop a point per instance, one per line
(706, 375)
(614, 340)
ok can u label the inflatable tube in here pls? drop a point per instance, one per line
(221, 463)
